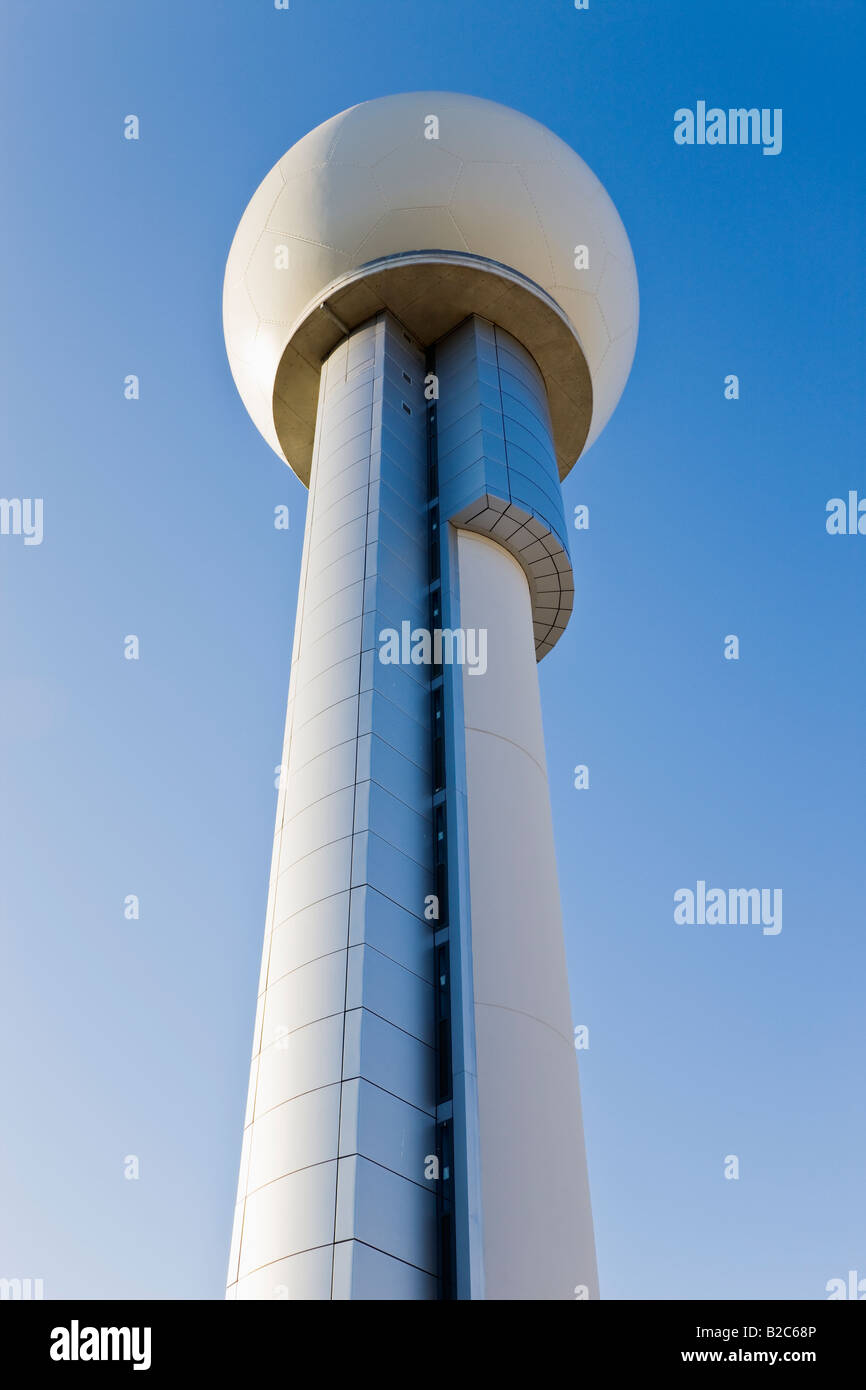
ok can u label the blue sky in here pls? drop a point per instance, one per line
(707, 518)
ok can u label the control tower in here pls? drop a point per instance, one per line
(430, 311)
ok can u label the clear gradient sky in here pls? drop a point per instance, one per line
(707, 517)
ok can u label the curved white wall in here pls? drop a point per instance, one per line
(538, 1237)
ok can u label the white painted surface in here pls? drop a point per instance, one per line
(368, 183)
(338, 1119)
(538, 1237)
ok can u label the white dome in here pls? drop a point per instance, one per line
(368, 184)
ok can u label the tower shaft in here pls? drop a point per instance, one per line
(413, 1125)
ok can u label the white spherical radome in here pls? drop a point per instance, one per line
(494, 192)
